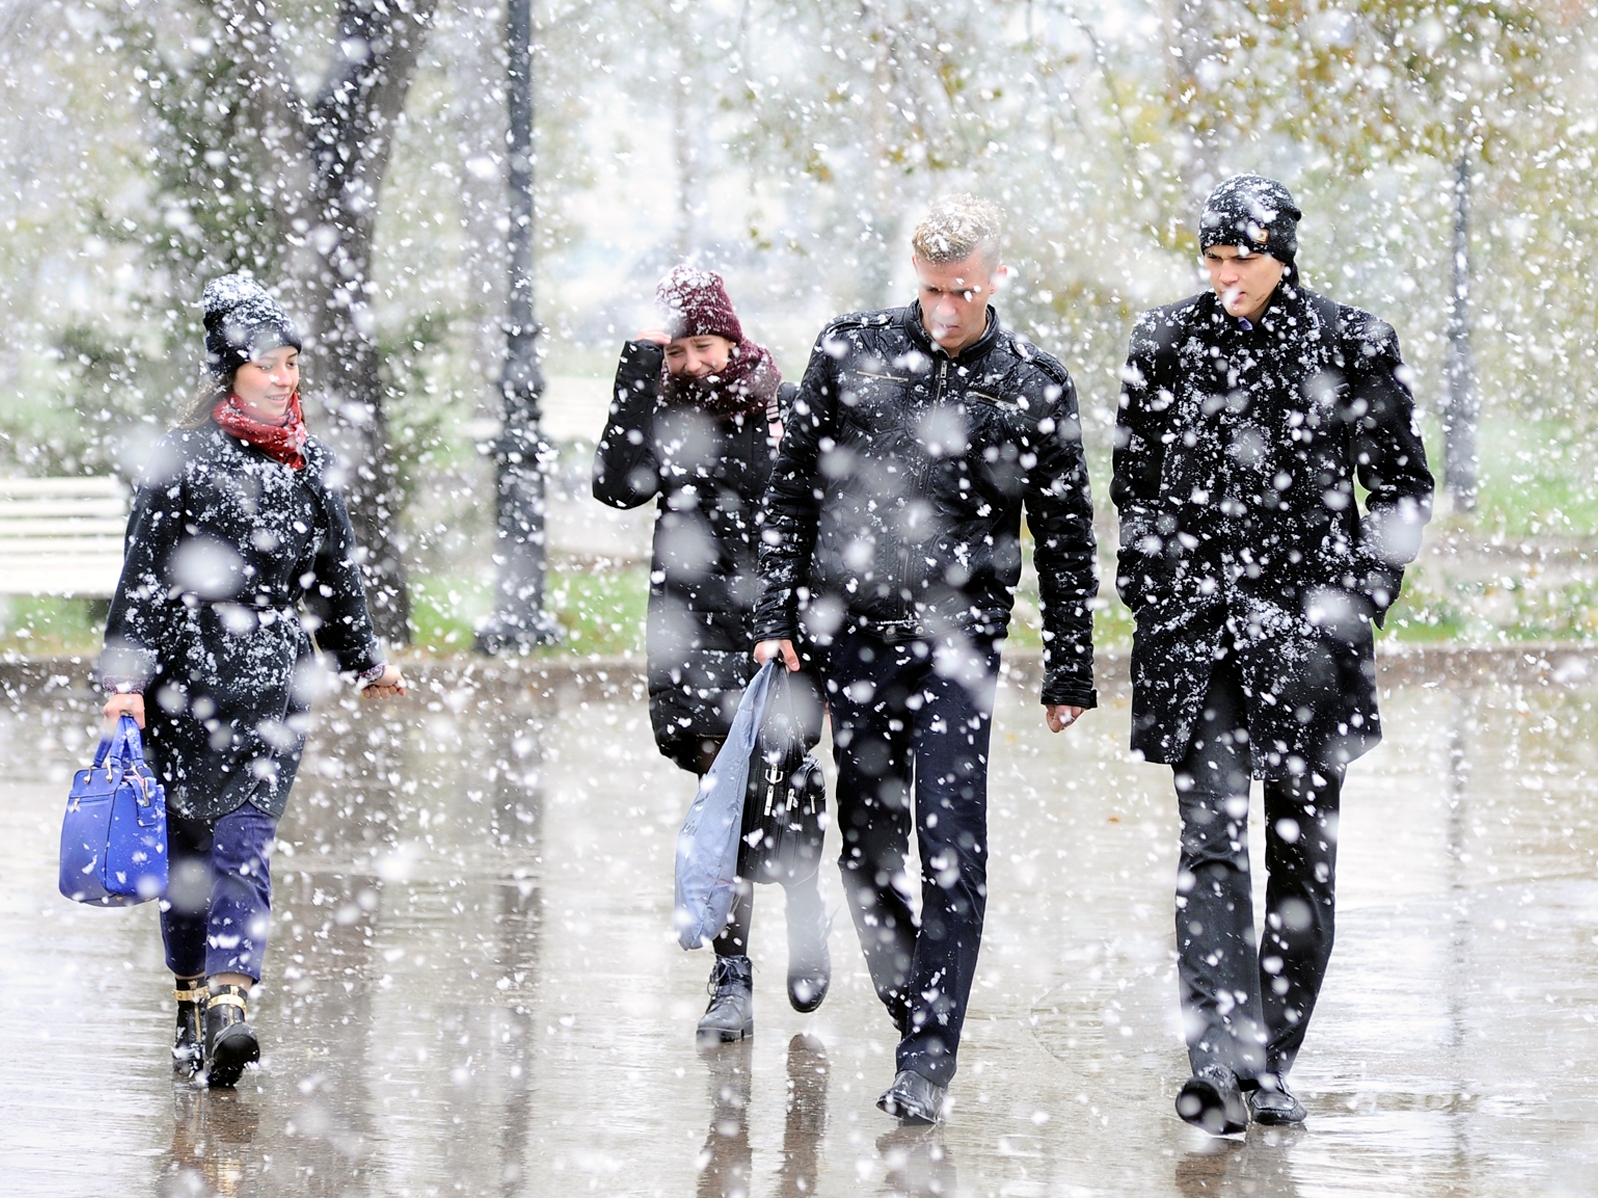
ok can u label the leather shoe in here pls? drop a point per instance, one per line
(914, 1099)
(1211, 1100)
(809, 963)
(1273, 1104)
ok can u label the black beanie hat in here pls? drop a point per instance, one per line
(1252, 212)
(241, 321)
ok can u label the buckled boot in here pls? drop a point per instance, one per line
(188, 1046)
(731, 1013)
(809, 962)
(230, 1042)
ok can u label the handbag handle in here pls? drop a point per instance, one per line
(124, 743)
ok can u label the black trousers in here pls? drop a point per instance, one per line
(1247, 1005)
(911, 724)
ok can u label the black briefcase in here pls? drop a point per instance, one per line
(785, 805)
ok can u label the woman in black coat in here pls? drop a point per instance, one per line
(694, 425)
(237, 525)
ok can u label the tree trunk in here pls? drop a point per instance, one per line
(351, 139)
(321, 162)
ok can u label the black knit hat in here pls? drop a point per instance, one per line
(1254, 213)
(242, 321)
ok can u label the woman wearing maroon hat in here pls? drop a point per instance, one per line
(694, 425)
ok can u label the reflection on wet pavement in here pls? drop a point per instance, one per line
(473, 986)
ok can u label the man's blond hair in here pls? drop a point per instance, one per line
(958, 227)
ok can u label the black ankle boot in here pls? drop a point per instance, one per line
(230, 1042)
(1212, 1100)
(809, 963)
(731, 1013)
(188, 1046)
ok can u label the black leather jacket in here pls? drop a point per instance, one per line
(895, 503)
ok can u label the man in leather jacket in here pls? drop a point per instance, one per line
(892, 549)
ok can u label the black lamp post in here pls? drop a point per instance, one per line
(1461, 405)
(519, 620)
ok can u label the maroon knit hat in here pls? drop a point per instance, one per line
(694, 303)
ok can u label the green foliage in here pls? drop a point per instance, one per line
(422, 435)
(212, 182)
(47, 625)
(601, 612)
(1539, 478)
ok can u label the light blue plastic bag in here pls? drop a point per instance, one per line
(707, 846)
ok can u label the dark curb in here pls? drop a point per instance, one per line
(557, 680)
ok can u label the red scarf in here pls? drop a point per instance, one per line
(280, 442)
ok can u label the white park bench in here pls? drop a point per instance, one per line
(61, 536)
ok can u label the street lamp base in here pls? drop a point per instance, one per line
(515, 635)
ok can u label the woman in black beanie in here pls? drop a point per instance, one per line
(694, 425)
(239, 550)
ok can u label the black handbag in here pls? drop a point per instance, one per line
(785, 803)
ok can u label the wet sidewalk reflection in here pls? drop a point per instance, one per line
(473, 985)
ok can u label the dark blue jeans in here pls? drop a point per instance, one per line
(910, 728)
(218, 904)
(1247, 1006)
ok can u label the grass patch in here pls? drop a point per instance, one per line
(48, 625)
(1537, 478)
(599, 611)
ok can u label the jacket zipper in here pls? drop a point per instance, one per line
(916, 492)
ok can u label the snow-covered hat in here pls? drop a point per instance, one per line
(1252, 212)
(242, 321)
(694, 303)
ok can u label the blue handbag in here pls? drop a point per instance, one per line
(113, 837)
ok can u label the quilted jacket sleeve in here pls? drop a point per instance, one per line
(792, 507)
(1059, 511)
(626, 473)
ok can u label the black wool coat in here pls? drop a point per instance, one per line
(706, 475)
(1236, 462)
(898, 493)
(224, 548)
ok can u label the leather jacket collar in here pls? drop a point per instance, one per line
(975, 352)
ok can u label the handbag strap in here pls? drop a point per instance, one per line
(104, 751)
(132, 742)
(123, 744)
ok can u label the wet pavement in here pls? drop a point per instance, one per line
(473, 987)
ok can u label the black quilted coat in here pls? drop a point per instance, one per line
(897, 495)
(224, 546)
(1236, 462)
(706, 475)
